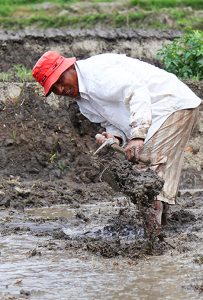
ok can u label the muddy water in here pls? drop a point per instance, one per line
(59, 275)
(37, 265)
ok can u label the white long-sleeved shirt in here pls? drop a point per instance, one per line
(129, 97)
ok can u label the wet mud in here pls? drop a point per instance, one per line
(100, 234)
(67, 215)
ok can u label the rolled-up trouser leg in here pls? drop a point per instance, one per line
(166, 150)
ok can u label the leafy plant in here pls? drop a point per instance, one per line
(22, 73)
(184, 56)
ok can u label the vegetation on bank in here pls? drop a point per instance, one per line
(184, 56)
(162, 14)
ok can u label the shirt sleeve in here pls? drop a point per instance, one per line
(115, 132)
(88, 111)
(140, 112)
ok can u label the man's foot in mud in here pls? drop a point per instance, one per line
(165, 213)
(153, 219)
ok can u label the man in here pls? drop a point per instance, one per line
(146, 109)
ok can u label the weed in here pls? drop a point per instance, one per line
(6, 10)
(184, 56)
(17, 72)
(199, 259)
(5, 77)
(120, 20)
(52, 157)
(62, 167)
(13, 135)
(22, 73)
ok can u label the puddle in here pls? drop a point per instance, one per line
(67, 275)
(52, 212)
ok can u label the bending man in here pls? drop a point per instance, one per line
(148, 110)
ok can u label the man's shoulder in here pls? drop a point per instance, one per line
(104, 57)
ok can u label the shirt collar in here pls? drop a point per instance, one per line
(81, 86)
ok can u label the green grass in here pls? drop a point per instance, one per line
(4, 77)
(96, 1)
(157, 4)
(133, 20)
(27, 2)
(19, 14)
(17, 73)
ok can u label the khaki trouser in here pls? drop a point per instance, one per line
(166, 150)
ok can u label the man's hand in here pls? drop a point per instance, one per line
(133, 149)
(104, 136)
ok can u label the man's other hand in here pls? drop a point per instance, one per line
(103, 136)
(133, 149)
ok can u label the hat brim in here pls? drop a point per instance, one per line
(66, 63)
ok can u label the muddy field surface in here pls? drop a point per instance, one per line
(94, 218)
(49, 226)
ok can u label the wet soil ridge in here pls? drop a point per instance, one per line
(109, 34)
(30, 44)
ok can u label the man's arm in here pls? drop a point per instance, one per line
(140, 121)
(113, 131)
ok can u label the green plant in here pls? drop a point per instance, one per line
(184, 56)
(22, 73)
(52, 157)
(5, 76)
(120, 19)
(14, 135)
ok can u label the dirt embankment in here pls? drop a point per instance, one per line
(30, 44)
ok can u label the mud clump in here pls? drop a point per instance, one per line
(140, 186)
(182, 217)
(109, 249)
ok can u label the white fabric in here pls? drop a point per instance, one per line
(129, 97)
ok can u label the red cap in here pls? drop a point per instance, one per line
(49, 68)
